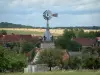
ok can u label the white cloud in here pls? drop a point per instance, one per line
(71, 12)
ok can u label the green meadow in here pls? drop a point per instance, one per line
(57, 73)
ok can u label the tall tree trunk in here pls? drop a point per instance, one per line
(50, 68)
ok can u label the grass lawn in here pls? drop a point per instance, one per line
(56, 73)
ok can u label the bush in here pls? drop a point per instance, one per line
(3, 32)
(10, 60)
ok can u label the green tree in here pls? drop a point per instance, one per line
(91, 63)
(51, 57)
(79, 33)
(74, 62)
(90, 58)
(11, 61)
(3, 32)
(65, 41)
(69, 34)
(27, 46)
(3, 60)
(97, 33)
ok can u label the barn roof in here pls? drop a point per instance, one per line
(16, 38)
(85, 41)
(11, 38)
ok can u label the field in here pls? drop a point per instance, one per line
(56, 73)
(38, 32)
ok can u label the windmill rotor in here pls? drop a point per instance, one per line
(47, 15)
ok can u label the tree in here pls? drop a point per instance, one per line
(74, 46)
(3, 60)
(69, 34)
(3, 32)
(97, 33)
(10, 60)
(65, 41)
(11, 25)
(91, 63)
(79, 33)
(74, 62)
(90, 58)
(61, 42)
(51, 57)
(27, 46)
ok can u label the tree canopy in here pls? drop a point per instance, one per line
(51, 57)
(10, 60)
(11, 25)
(65, 41)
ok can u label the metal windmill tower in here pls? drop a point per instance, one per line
(47, 16)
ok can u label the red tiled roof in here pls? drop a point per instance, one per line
(85, 41)
(11, 38)
(15, 38)
(26, 37)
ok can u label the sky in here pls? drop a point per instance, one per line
(70, 12)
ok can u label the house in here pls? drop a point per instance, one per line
(10, 38)
(85, 42)
(17, 38)
(26, 37)
(5, 39)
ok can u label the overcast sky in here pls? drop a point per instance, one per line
(70, 12)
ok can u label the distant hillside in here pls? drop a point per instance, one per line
(83, 27)
(11, 25)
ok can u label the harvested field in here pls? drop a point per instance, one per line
(40, 32)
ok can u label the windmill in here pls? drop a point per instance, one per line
(47, 16)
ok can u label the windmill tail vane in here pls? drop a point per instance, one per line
(55, 15)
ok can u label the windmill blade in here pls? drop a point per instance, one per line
(55, 15)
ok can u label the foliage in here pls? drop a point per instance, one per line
(11, 45)
(51, 57)
(91, 63)
(97, 33)
(27, 46)
(10, 60)
(90, 57)
(79, 33)
(69, 34)
(66, 42)
(73, 46)
(73, 63)
(3, 60)
(3, 32)
(71, 72)
(11, 25)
